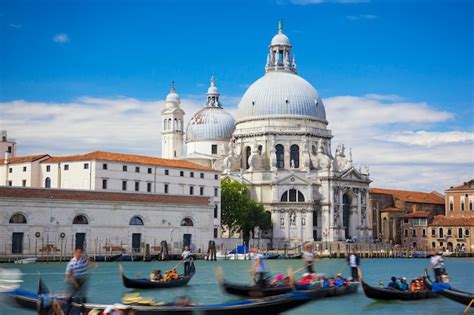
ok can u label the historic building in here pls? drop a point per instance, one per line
(388, 208)
(414, 227)
(53, 222)
(460, 200)
(280, 146)
(452, 232)
(128, 200)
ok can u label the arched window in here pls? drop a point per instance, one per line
(292, 195)
(260, 149)
(280, 156)
(248, 151)
(441, 233)
(136, 221)
(187, 222)
(47, 182)
(460, 233)
(295, 155)
(80, 219)
(18, 218)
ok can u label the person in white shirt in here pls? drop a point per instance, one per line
(186, 256)
(354, 262)
(437, 264)
(308, 257)
(259, 268)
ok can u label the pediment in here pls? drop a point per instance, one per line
(292, 179)
(353, 174)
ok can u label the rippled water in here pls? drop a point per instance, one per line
(106, 287)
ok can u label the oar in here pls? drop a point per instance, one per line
(468, 307)
(219, 272)
(291, 279)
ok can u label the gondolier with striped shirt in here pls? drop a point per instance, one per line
(77, 274)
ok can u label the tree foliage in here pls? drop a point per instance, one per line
(239, 212)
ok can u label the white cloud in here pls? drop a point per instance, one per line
(383, 131)
(431, 138)
(361, 17)
(61, 38)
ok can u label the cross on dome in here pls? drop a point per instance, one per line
(213, 94)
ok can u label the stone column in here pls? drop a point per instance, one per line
(309, 224)
(287, 224)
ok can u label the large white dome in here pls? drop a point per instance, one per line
(210, 123)
(281, 94)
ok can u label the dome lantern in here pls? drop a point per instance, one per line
(280, 57)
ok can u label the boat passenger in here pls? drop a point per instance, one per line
(416, 285)
(339, 281)
(393, 284)
(403, 284)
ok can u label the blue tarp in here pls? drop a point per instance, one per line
(241, 249)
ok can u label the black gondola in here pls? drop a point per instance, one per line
(143, 283)
(391, 294)
(316, 292)
(271, 305)
(452, 294)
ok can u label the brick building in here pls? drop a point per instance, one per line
(388, 208)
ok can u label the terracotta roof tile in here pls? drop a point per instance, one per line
(24, 159)
(441, 220)
(410, 196)
(466, 186)
(128, 158)
(417, 214)
(392, 209)
(85, 195)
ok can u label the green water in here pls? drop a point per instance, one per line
(106, 287)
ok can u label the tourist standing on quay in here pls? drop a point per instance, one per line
(186, 256)
(354, 262)
(77, 274)
(308, 257)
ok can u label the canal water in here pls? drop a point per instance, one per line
(106, 287)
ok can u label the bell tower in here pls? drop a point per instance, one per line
(172, 126)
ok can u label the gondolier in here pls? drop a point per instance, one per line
(437, 263)
(186, 256)
(354, 263)
(308, 257)
(77, 274)
(259, 268)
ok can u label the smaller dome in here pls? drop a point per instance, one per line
(172, 97)
(210, 123)
(212, 90)
(280, 39)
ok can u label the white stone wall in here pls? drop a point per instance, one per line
(19, 172)
(205, 148)
(108, 222)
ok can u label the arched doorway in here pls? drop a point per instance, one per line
(346, 205)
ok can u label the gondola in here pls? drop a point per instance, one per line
(253, 291)
(271, 305)
(316, 292)
(390, 294)
(452, 294)
(143, 283)
(29, 299)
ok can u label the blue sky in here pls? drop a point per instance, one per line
(420, 53)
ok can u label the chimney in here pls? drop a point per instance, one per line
(7, 158)
(4, 136)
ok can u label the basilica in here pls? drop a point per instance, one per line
(280, 147)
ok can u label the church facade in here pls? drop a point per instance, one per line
(280, 147)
